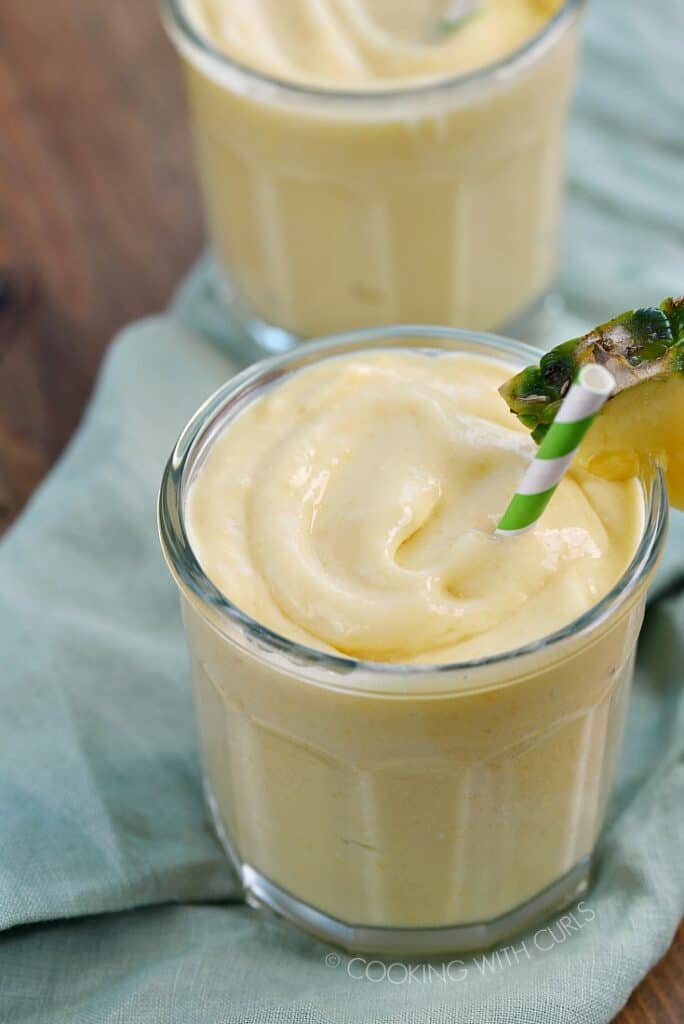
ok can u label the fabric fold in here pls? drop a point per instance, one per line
(101, 807)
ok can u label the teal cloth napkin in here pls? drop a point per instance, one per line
(101, 806)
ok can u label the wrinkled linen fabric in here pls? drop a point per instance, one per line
(116, 902)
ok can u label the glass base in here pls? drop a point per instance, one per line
(260, 893)
(266, 338)
(263, 894)
(536, 324)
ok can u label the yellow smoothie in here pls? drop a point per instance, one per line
(362, 44)
(351, 507)
(364, 164)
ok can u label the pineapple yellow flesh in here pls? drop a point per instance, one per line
(643, 424)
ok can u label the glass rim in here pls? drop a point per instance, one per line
(188, 573)
(188, 38)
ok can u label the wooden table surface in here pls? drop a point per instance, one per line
(98, 221)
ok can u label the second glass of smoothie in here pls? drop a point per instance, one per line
(367, 163)
(409, 725)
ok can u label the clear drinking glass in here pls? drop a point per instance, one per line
(403, 808)
(331, 211)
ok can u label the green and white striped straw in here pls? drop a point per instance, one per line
(592, 388)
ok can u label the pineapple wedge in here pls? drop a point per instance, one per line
(643, 422)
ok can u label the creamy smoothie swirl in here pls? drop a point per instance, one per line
(353, 508)
(367, 43)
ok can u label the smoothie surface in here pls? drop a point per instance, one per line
(357, 44)
(352, 507)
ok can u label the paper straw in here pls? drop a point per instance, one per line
(586, 397)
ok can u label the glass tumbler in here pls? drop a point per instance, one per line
(405, 809)
(331, 211)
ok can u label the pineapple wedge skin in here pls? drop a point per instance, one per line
(643, 423)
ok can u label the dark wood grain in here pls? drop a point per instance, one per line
(660, 997)
(98, 220)
(98, 211)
